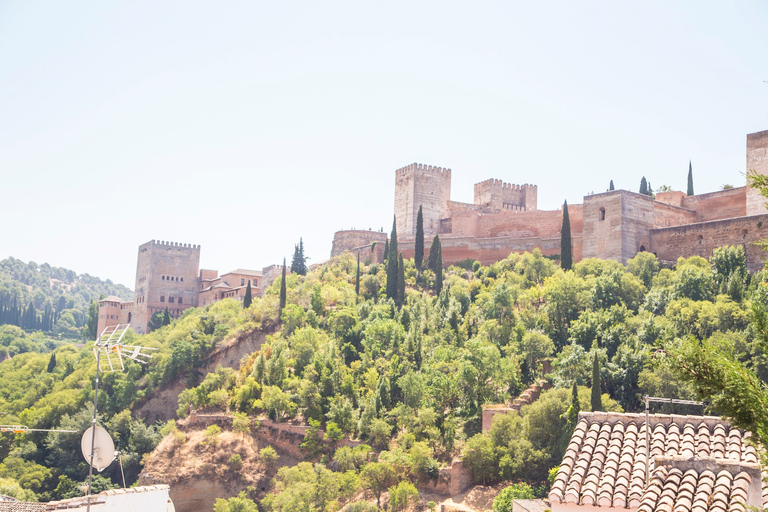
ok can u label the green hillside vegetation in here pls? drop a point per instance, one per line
(50, 299)
(409, 381)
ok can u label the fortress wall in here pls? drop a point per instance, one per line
(360, 241)
(499, 195)
(757, 160)
(701, 239)
(490, 250)
(669, 215)
(723, 204)
(526, 224)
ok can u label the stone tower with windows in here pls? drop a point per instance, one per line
(166, 277)
(424, 186)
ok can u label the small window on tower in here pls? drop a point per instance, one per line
(602, 214)
(162, 298)
(242, 282)
(179, 300)
(162, 278)
(170, 299)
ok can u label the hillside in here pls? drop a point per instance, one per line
(51, 299)
(409, 381)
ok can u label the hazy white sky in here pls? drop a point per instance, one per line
(242, 126)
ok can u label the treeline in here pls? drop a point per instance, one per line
(50, 299)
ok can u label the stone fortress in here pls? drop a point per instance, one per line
(504, 218)
(614, 225)
(168, 276)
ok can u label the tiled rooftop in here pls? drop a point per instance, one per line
(605, 462)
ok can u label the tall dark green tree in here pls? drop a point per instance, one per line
(434, 249)
(400, 298)
(643, 186)
(439, 269)
(92, 324)
(386, 249)
(392, 263)
(418, 252)
(690, 179)
(248, 297)
(52, 363)
(566, 250)
(166, 317)
(610, 187)
(357, 276)
(282, 289)
(299, 262)
(649, 190)
(596, 397)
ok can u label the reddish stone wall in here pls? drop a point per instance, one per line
(358, 240)
(724, 204)
(757, 160)
(701, 239)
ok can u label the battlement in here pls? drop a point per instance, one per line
(503, 185)
(414, 167)
(173, 244)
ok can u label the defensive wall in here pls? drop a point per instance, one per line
(425, 186)
(700, 239)
(499, 195)
(369, 244)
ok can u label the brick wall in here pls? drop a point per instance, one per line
(701, 239)
(360, 241)
(757, 160)
(424, 186)
(723, 204)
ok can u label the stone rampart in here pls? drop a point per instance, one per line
(425, 186)
(700, 239)
(723, 204)
(370, 244)
(757, 160)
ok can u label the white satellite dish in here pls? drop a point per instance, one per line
(103, 448)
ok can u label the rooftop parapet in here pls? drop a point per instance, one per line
(414, 167)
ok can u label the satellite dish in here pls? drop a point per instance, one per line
(103, 448)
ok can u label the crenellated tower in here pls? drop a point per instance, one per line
(500, 196)
(166, 277)
(421, 185)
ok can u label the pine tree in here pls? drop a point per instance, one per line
(357, 276)
(400, 298)
(248, 297)
(439, 269)
(566, 254)
(392, 264)
(643, 186)
(282, 289)
(690, 178)
(610, 187)
(596, 398)
(418, 253)
(166, 317)
(299, 262)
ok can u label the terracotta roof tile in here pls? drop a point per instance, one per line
(605, 464)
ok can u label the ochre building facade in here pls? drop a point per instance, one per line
(616, 225)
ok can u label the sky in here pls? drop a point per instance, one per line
(243, 126)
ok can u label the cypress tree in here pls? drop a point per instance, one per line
(299, 262)
(282, 289)
(690, 179)
(400, 298)
(166, 317)
(418, 253)
(51, 363)
(392, 264)
(357, 277)
(248, 297)
(643, 186)
(439, 269)
(566, 252)
(92, 324)
(596, 398)
(386, 249)
(610, 187)
(649, 190)
(433, 250)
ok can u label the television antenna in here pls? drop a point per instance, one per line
(110, 347)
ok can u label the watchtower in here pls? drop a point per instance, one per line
(500, 196)
(757, 160)
(166, 277)
(424, 186)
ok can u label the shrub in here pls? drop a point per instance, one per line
(503, 502)
(235, 462)
(401, 495)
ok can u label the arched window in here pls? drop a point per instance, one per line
(602, 214)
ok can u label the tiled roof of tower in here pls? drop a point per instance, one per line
(605, 462)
